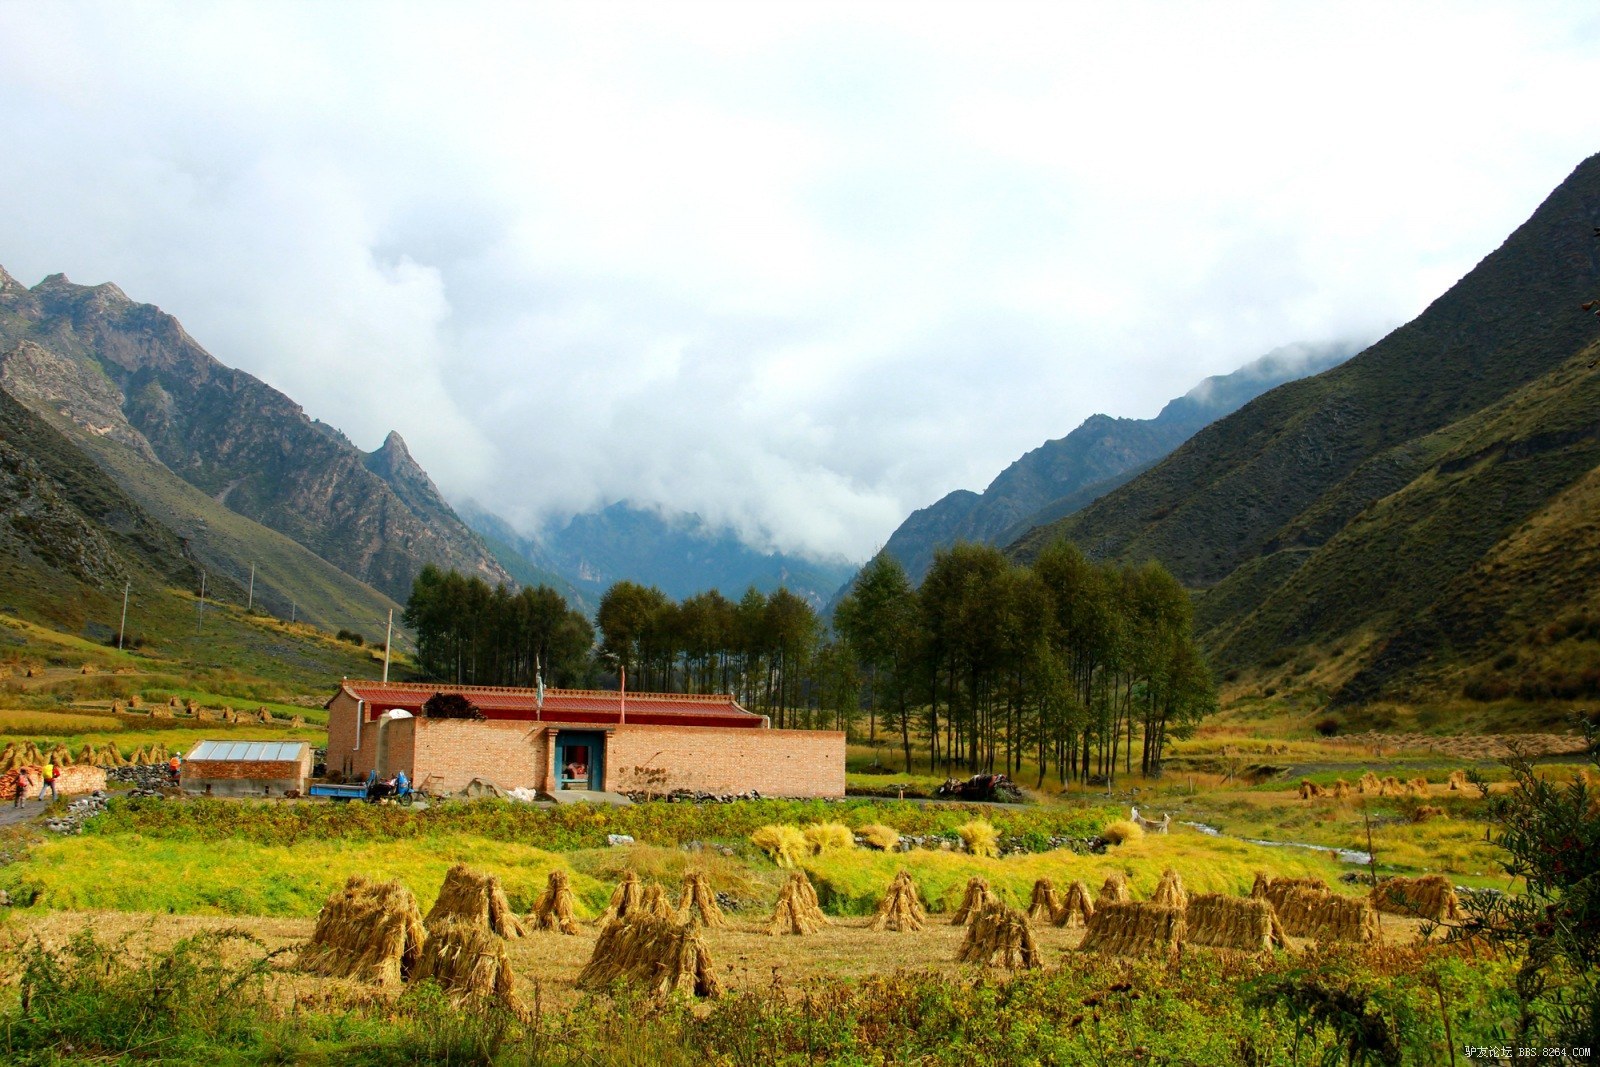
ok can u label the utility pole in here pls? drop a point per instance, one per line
(250, 603)
(294, 613)
(200, 623)
(386, 638)
(123, 629)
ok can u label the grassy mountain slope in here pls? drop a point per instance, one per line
(115, 368)
(1374, 508)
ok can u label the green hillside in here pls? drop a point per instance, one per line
(1393, 525)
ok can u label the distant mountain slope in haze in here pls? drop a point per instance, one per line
(1056, 478)
(1373, 511)
(110, 369)
(679, 554)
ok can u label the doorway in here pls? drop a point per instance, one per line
(580, 759)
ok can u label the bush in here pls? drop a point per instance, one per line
(786, 845)
(352, 637)
(827, 836)
(1122, 831)
(981, 837)
(1328, 727)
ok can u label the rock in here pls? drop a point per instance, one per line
(616, 840)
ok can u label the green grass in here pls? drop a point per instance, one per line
(132, 872)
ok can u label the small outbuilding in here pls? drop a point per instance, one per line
(247, 768)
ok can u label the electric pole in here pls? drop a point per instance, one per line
(123, 629)
(386, 638)
(250, 601)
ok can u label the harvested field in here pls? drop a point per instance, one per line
(476, 899)
(900, 910)
(1000, 936)
(1134, 929)
(1248, 924)
(370, 931)
(1429, 897)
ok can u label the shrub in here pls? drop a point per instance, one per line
(827, 836)
(1122, 831)
(785, 844)
(981, 837)
(880, 836)
(352, 637)
(1328, 727)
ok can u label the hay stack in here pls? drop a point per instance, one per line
(1309, 789)
(467, 960)
(1425, 812)
(554, 910)
(1417, 787)
(625, 899)
(1000, 936)
(1134, 929)
(654, 902)
(698, 897)
(366, 930)
(660, 955)
(116, 707)
(1077, 908)
(1170, 892)
(1458, 781)
(1341, 788)
(1114, 890)
(112, 755)
(1248, 924)
(191, 705)
(8, 757)
(87, 668)
(978, 894)
(172, 702)
(87, 754)
(476, 900)
(158, 753)
(797, 911)
(1277, 890)
(61, 755)
(1429, 897)
(297, 722)
(230, 716)
(900, 910)
(1046, 903)
(1392, 787)
(1369, 783)
(1327, 916)
(135, 701)
(264, 716)
(29, 755)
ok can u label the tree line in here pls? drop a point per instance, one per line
(1072, 667)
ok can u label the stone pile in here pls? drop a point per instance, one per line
(79, 812)
(691, 796)
(144, 776)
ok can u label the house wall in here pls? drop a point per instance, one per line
(443, 755)
(247, 777)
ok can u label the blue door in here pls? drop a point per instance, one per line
(580, 759)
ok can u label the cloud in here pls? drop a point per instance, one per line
(798, 268)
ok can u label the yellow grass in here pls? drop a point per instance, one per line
(1122, 831)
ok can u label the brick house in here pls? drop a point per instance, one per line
(577, 739)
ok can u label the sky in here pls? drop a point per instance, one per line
(800, 268)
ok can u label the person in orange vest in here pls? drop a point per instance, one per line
(173, 766)
(48, 780)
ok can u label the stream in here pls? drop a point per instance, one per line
(1344, 855)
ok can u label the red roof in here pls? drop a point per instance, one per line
(597, 706)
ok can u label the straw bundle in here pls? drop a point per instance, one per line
(1000, 936)
(654, 902)
(29, 755)
(797, 911)
(900, 909)
(297, 722)
(1309, 789)
(366, 930)
(1077, 908)
(1341, 788)
(1369, 783)
(172, 702)
(1246, 923)
(1392, 787)
(555, 910)
(8, 757)
(1277, 890)
(1134, 929)
(476, 900)
(1114, 890)
(1170, 892)
(1425, 812)
(61, 755)
(111, 755)
(117, 708)
(658, 954)
(86, 754)
(191, 705)
(135, 701)
(1417, 787)
(1429, 897)
(881, 837)
(697, 896)
(625, 899)
(978, 894)
(264, 716)
(1327, 916)
(467, 960)
(158, 753)
(229, 715)
(828, 837)
(1457, 781)
(1046, 903)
